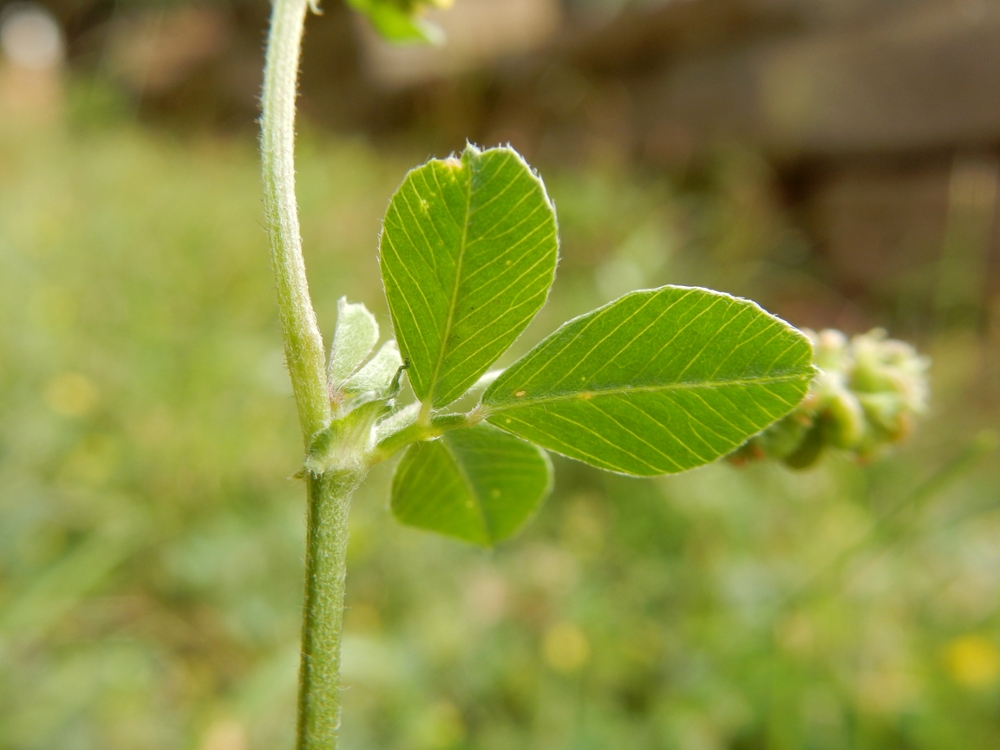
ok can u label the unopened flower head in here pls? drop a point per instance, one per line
(866, 396)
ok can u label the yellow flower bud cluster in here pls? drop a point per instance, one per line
(866, 395)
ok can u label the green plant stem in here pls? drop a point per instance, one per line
(304, 351)
(329, 493)
(326, 550)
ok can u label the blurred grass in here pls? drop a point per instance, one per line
(151, 538)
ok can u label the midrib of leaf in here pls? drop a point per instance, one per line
(608, 310)
(653, 322)
(477, 501)
(454, 291)
(589, 393)
(528, 301)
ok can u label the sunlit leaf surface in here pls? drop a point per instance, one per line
(468, 253)
(656, 382)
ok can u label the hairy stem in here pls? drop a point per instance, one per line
(304, 352)
(326, 550)
(328, 493)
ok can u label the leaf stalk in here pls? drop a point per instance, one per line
(434, 427)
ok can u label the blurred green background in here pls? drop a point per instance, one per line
(151, 535)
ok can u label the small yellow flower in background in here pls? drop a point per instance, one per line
(973, 661)
(71, 394)
(565, 647)
(225, 734)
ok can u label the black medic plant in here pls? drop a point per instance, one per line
(656, 382)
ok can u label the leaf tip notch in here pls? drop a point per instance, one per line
(471, 151)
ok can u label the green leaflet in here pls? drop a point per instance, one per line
(656, 382)
(477, 484)
(468, 253)
(399, 21)
(353, 340)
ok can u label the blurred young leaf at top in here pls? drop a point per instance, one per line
(402, 20)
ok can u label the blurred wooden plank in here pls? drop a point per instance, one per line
(924, 78)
